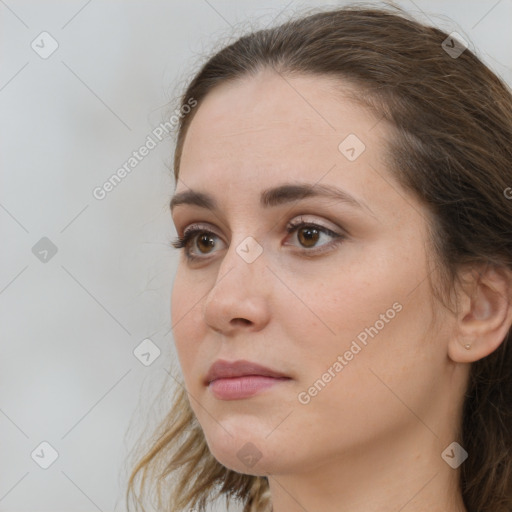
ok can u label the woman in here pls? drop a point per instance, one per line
(342, 305)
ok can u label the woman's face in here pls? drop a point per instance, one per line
(341, 308)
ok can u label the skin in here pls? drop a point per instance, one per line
(372, 438)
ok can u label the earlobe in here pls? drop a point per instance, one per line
(485, 315)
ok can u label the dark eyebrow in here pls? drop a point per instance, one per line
(282, 194)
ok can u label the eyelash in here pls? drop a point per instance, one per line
(181, 242)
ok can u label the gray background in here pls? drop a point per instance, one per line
(71, 321)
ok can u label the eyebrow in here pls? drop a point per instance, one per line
(285, 193)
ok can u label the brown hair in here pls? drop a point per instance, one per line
(451, 147)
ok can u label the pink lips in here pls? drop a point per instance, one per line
(240, 379)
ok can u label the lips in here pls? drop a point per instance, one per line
(222, 369)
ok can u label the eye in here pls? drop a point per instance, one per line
(308, 235)
(206, 240)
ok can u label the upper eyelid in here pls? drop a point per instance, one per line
(294, 220)
(198, 226)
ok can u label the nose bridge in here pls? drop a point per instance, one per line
(239, 291)
(246, 247)
(243, 261)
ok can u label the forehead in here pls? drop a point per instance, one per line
(276, 116)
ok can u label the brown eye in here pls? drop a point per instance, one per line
(206, 241)
(195, 239)
(308, 236)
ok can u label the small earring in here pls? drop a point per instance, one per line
(467, 347)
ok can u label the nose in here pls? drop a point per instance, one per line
(240, 297)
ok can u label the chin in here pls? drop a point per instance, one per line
(248, 453)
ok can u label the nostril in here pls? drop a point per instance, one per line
(242, 321)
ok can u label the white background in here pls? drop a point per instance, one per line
(69, 326)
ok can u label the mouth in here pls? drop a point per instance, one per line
(241, 379)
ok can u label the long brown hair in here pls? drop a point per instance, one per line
(451, 148)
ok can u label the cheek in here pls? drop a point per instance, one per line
(372, 315)
(353, 390)
(186, 320)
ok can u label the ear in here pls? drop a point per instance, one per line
(485, 313)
